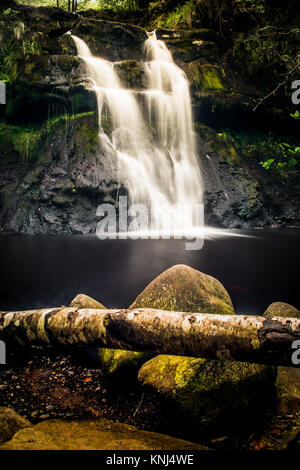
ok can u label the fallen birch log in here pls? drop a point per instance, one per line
(238, 337)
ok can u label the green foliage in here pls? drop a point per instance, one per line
(181, 16)
(272, 153)
(16, 44)
(115, 5)
(27, 140)
(295, 115)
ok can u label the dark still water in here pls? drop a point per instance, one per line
(42, 271)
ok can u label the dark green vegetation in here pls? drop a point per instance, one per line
(241, 58)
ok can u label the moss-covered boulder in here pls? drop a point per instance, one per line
(184, 289)
(118, 363)
(174, 289)
(180, 288)
(206, 76)
(84, 301)
(213, 396)
(57, 434)
(11, 423)
(281, 309)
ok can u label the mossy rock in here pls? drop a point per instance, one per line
(101, 434)
(118, 363)
(131, 74)
(84, 301)
(11, 423)
(281, 309)
(219, 144)
(206, 76)
(180, 288)
(184, 289)
(212, 396)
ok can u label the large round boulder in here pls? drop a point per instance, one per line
(281, 309)
(179, 288)
(184, 289)
(210, 396)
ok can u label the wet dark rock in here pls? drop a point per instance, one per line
(282, 427)
(60, 190)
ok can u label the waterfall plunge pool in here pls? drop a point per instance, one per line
(48, 271)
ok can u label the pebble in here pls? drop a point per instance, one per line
(45, 416)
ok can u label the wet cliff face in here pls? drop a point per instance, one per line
(53, 173)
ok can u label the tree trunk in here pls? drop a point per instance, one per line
(237, 337)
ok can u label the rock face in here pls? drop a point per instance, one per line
(212, 396)
(281, 309)
(92, 435)
(184, 289)
(11, 423)
(60, 189)
(84, 301)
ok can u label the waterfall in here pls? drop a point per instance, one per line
(152, 140)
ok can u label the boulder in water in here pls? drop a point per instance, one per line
(84, 301)
(281, 309)
(184, 289)
(180, 288)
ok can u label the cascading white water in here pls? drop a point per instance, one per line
(155, 150)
